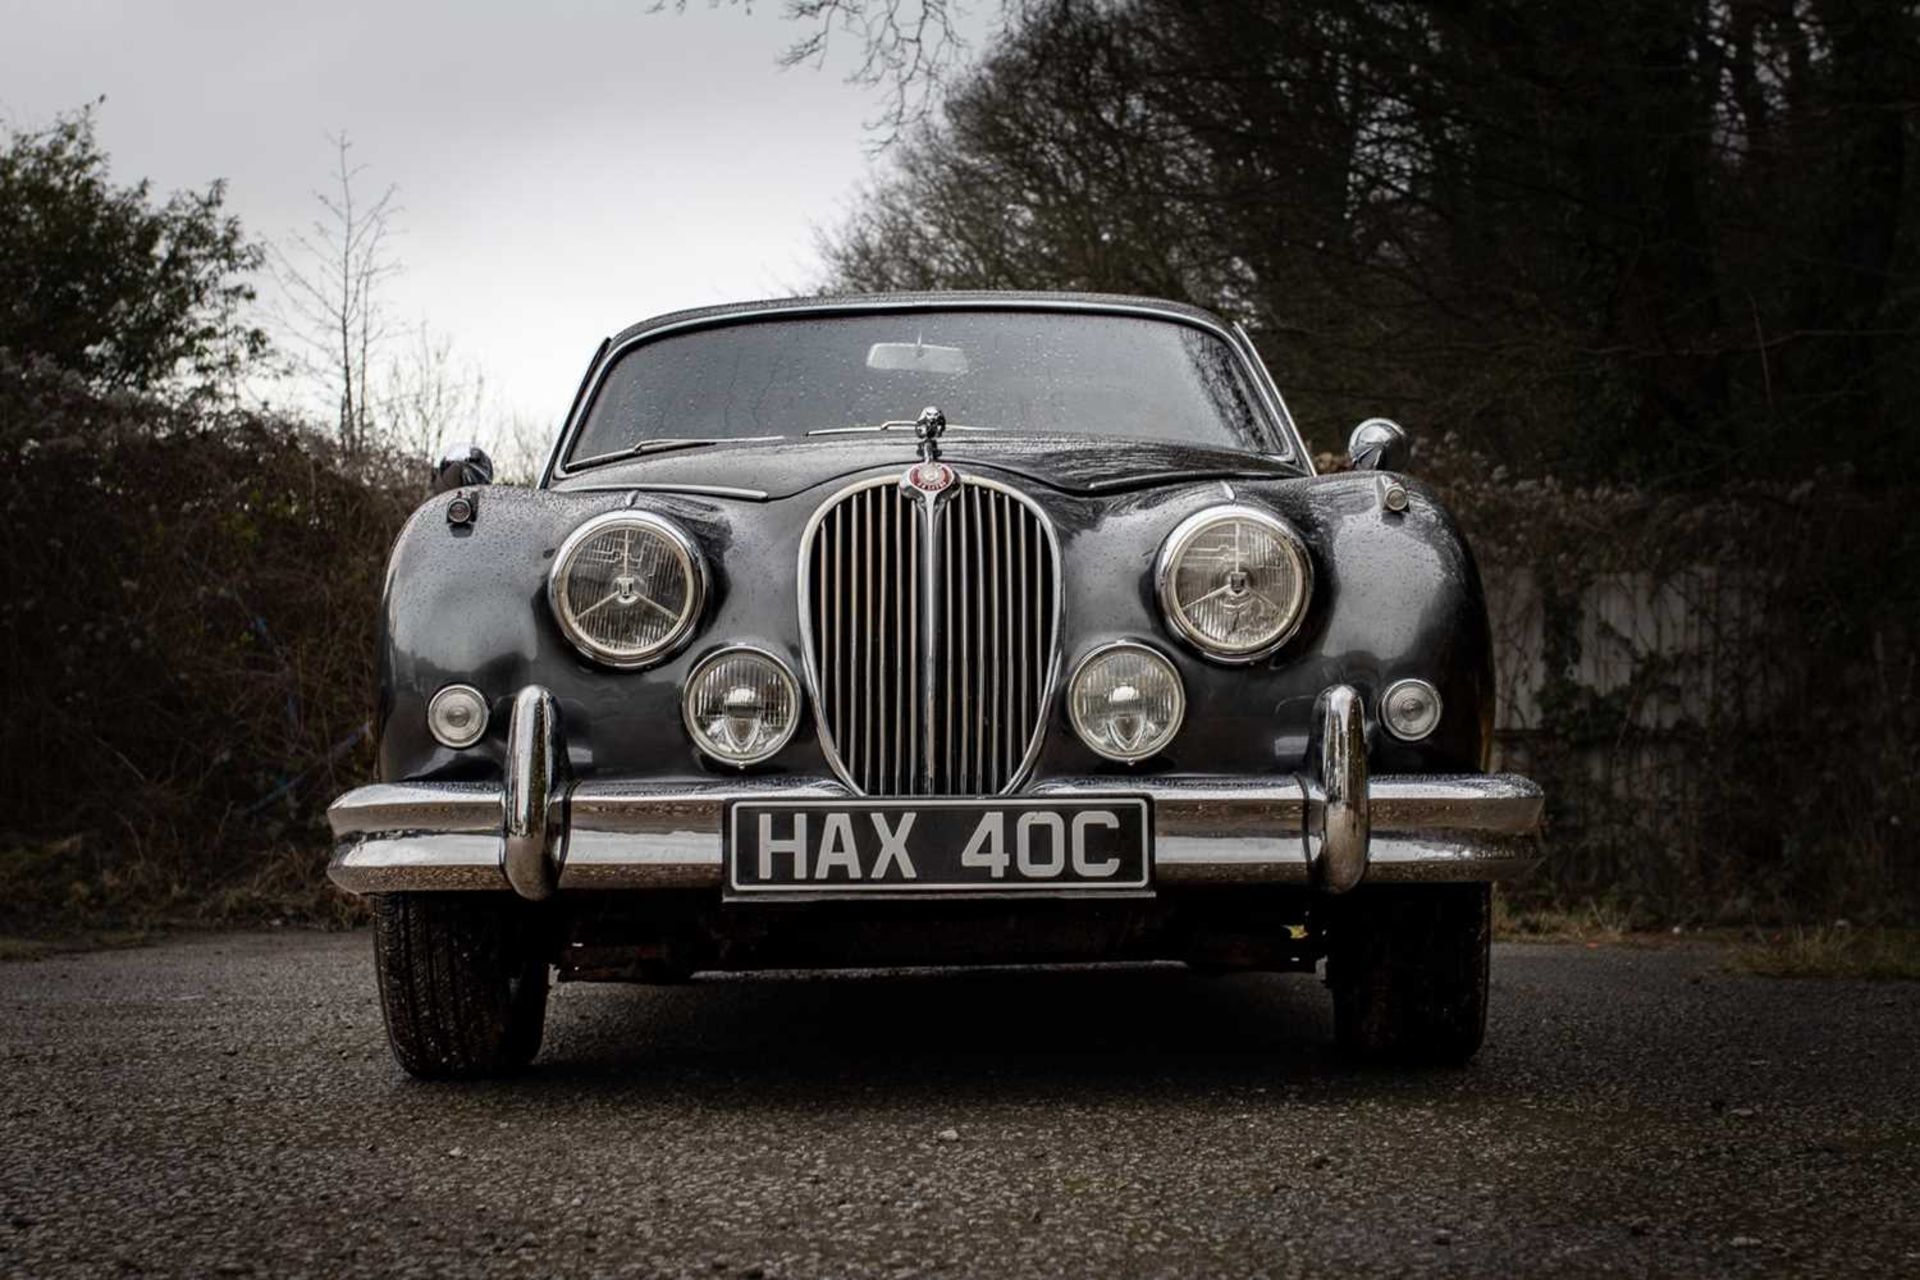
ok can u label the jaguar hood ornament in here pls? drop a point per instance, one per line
(930, 476)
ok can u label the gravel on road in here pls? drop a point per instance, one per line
(226, 1106)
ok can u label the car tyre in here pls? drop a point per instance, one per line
(463, 982)
(1408, 969)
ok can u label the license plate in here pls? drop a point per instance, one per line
(1034, 847)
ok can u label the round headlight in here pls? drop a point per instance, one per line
(457, 716)
(1411, 709)
(1126, 701)
(741, 705)
(1234, 582)
(627, 588)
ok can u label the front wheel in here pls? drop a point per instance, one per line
(1408, 968)
(463, 982)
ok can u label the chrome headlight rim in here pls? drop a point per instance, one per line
(1177, 622)
(687, 553)
(1087, 738)
(787, 678)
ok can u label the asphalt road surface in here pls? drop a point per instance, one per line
(226, 1106)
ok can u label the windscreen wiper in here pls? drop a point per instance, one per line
(889, 426)
(668, 444)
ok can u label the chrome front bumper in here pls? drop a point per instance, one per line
(537, 834)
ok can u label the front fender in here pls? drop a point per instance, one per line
(1396, 594)
(469, 604)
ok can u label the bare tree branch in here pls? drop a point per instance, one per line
(909, 50)
(330, 279)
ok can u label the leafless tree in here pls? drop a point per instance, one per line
(1658, 240)
(330, 278)
(909, 50)
(429, 394)
(519, 443)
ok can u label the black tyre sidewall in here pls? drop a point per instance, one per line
(1408, 966)
(463, 982)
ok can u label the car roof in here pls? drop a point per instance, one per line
(1034, 300)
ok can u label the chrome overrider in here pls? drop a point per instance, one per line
(540, 833)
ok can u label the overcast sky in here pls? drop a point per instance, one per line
(565, 167)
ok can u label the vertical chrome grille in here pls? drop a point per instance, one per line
(931, 637)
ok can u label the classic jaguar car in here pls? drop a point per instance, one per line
(931, 629)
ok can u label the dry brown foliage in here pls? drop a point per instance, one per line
(187, 607)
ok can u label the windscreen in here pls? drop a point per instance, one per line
(1018, 372)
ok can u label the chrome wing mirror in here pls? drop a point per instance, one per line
(462, 466)
(1379, 444)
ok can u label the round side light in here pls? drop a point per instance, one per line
(1410, 709)
(457, 716)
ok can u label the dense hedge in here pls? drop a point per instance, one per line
(1718, 688)
(186, 634)
(186, 631)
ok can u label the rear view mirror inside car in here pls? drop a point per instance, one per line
(916, 356)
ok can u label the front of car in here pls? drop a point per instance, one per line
(931, 629)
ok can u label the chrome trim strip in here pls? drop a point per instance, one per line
(1152, 479)
(640, 808)
(1437, 858)
(599, 860)
(703, 490)
(588, 380)
(444, 808)
(1277, 401)
(880, 304)
(1494, 803)
(1485, 803)
(399, 864)
(602, 860)
(628, 834)
(641, 835)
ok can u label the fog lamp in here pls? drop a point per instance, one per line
(1126, 701)
(1411, 709)
(741, 705)
(457, 716)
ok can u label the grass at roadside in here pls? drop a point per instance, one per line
(1595, 921)
(1830, 951)
(71, 895)
(1794, 951)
